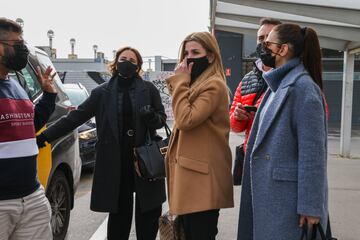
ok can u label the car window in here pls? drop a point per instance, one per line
(76, 96)
(20, 78)
(28, 81)
(32, 85)
(46, 62)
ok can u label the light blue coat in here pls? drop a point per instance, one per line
(285, 171)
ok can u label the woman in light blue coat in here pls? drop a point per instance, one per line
(285, 179)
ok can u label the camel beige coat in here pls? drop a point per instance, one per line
(198, 161)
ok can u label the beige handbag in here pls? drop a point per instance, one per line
(170, 227)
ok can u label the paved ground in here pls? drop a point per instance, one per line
(344, 199)
(83, 222)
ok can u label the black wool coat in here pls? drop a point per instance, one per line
(103, 104)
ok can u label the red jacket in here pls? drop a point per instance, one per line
(246, 92)
(249, 87)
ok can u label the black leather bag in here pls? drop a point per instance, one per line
(314, 233)
(238, 165)
(149, 158)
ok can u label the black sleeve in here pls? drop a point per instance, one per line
(160, 117)
(44, 109)
(75, 118)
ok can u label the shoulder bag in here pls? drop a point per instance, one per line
(149, 158)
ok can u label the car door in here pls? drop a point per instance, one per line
(28, 80)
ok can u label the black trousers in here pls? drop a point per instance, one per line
(200, 225)
(119, 224)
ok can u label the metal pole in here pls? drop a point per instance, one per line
(158, 63)
(347, 99)
(149, 64)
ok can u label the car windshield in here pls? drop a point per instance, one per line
(76, 96)
(46, 62)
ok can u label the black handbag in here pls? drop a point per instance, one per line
(149, 158)
(312, 233)
(238, 165)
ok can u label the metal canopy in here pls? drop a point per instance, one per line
(337, 27)
(337, 23)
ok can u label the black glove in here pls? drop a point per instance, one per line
(147, 112)
(40, 140)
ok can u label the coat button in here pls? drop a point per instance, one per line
(267, 157)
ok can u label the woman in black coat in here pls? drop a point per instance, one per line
(124, 108)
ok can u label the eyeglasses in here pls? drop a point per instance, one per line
(268, 43)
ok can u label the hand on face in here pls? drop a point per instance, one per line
(183, 67)
(46, 79)
(195, 60)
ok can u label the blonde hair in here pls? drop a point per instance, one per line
(209, 43)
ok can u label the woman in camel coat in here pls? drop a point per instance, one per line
(198, 161)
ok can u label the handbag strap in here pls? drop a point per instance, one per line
(320, 230)
(304, 234)
(315, 228)
(167, 128)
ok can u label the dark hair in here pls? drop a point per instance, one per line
(269, 21)
(6, 26)
(304, 43)
(112, 65)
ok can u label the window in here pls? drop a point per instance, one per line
(77, 96)
(331, 76)
(45, 62)
(32, 85)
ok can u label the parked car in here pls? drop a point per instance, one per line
(59, 164)
(87, 132)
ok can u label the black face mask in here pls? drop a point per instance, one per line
(267, 58)
(258, 50)
(126, 69)
(17, 60)
(199, 66)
